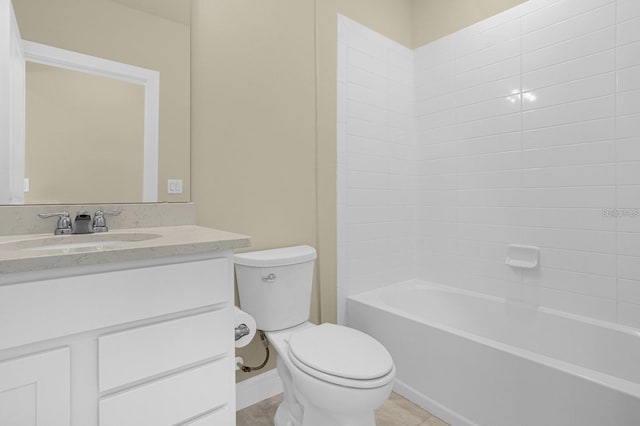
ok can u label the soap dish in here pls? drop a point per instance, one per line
(525, 257)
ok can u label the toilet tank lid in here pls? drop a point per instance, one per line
(276, 257)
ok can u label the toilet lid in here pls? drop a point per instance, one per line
(340, 351)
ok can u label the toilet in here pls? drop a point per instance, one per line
(331, 374)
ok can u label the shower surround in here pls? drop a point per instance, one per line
(521, 129)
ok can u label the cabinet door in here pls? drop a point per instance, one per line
(35, 390)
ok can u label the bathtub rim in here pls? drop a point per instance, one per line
(627, 387)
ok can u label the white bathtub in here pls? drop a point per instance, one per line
(475, 359)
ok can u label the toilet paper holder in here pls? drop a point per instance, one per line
(241, 331)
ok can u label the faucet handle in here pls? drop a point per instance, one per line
(64, 222)
(99, 222)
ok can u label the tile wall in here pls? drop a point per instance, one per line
(376, 161)
(527, 131)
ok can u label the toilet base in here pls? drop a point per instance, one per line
(312, 417)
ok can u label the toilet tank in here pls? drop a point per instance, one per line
(274, 286)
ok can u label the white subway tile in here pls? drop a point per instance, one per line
(587, 88)
(628, 9)
(589, 175)
(366, 95)
(564, 72)
(628, 126)
(490, 197)
(568, 218)
(628, 197)
(571, 239)
(575, 26)
(628, 55)
(629, 267)
(509, 160)
(503, 142)
(628, 149)
(573, 112)
(365, 111)
(491, 233)
(594, 197)
(629, 290)
(487, 109)
(628, 102)
(579, 261)
(629, 243)
(435, 120)
(585, 131)
(629, 78)
(490, 73)
(438, 103)
(367, 79)
(558, 12)
(511, 216)
(368, 163)
(471, 43)
(367, 129)
(368, 45)
(490, 180)
(368, 180)
(357, 58)
(494, 54)
(491, 90)
(489, 126)
(629, 31)
(567, 155)
(568, 50)
(629, 174)
(574, 282)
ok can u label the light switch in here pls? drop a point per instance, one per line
(174, 186)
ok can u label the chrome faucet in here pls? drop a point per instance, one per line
(82, 223)
(63, 227)
(99, 222)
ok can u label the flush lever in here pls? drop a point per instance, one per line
(269, 278)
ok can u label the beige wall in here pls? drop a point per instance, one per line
(110, 30)
(433, 19)
(59, 157)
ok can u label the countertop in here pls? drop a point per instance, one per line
(167, 241)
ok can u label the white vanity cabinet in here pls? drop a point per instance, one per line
(132, 343)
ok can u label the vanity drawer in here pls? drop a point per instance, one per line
(172, 400)
(40, 310)
(221, 417)
(137, 354)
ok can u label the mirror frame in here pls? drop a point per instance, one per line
(150, 79)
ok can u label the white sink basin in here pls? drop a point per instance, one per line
(77, 243)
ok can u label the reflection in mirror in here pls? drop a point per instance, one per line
(73, 143)
(81, 150)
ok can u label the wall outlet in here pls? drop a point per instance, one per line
(26, 185)
(174, 186)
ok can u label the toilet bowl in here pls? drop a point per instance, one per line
(331, 374)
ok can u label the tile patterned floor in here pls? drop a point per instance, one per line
(396, 411)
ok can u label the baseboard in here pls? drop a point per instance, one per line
(430, 405)
(258, 388)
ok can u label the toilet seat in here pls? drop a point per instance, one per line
(342, 356)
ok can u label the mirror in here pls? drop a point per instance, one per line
(73, 142)
(145, 34)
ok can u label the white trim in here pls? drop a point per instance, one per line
(258, 388)
(150, 79)
(12, 113)
(430, 405)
